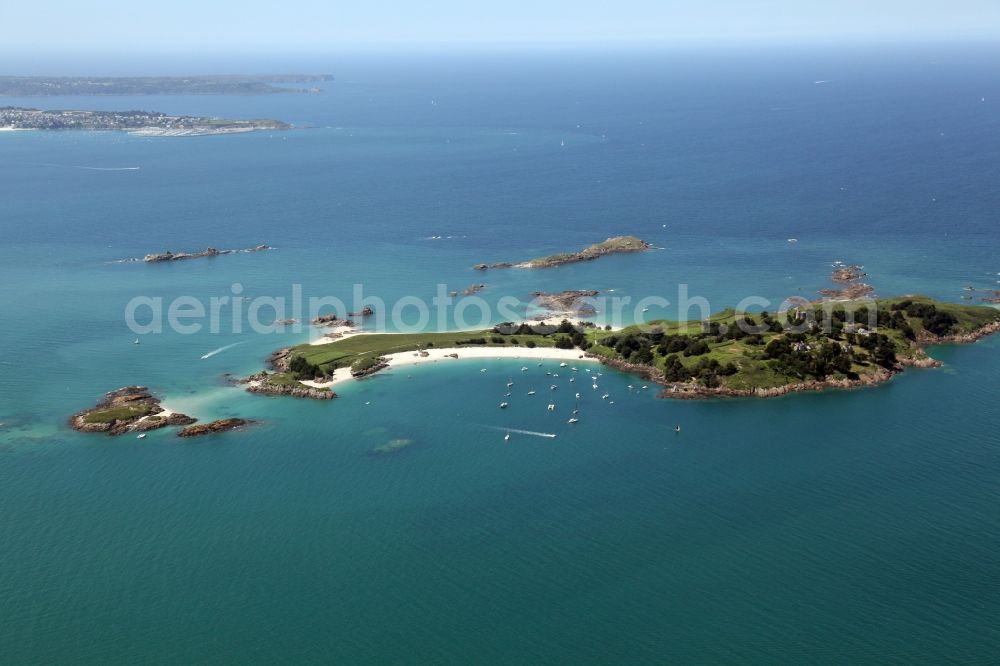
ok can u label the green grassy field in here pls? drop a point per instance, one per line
(343, 353)
(117, 413)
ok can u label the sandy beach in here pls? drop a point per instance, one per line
(405, 359)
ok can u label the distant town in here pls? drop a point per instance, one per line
(147, 123)
(229, 84)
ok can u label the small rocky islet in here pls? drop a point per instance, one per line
(222, 425)
(128, 409)
(133, 409)
(615, 245)
(161, 257)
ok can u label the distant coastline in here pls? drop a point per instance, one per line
(226, 84)
(140, 123)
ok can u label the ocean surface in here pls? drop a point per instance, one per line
(849, 527)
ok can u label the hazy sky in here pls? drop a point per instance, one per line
(110, 24)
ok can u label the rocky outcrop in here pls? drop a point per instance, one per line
(370, 370)
(616, 245)
(567, 302)
(128, 409)
(364, 312)
(647, 372)
(849, 293)
(471, 290)
(278, 360)
(993, 297)
(222, 425)
(208, 252)
(156, 421)
(925, 338)
(300, 391)
(853, 289)
(846, 274)
(694, 392)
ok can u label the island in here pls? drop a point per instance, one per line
(128, 409)
(825, 345)
(139, 123)
(616, 245)
(228, 84)
(133, 409)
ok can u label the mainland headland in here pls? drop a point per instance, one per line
(829, 344)
(139, 123)
(225, 84)
(616, 245)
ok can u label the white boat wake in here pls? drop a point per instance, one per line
(222, 349)
(547, 435)
(88, 168)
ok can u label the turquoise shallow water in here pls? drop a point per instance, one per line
(838, 528)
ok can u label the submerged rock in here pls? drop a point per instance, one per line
(392, 446)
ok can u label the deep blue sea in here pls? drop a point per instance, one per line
(851, 527)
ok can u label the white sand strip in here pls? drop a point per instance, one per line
(412, 358)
